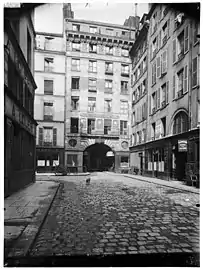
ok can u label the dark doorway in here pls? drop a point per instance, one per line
(181, 160)
(95, 158)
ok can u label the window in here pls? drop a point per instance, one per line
(92, 48)
(158, 98)
(48, 64)
(144, 64)
(154, 47)
(154, 73)
(124, 86)
(154, 102)
(165, 33)
(124, 52)
(48, 111)
(74, 125)
(194, 72)
(93, 66)
(163, 131)
(123, 127)
(180, 123)
(164, 62)
(108, 85)
(124, 70)
(93, 30)
(75, 83)
(107, 126)
(75, 64)
(133, 118)
(138, 71)
(153, 131)
(158, 60)
(29, 49)
(48, 87)
(107, 105)
(76, 46)
(109, 32)
(180, 80)
(48, 136)
(196, 32)
(92, 85)
(91, 125)
(109, 50)
(163, 95)
(108, 67)
(76, 27)
(74, 103)
(72, 160)
(48, 43)
(124, 107)
(91, 104)
(180, 44)
(144, 87)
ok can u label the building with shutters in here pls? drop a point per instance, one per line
(171, 150)
(50, 93)
(97, 93)
(19, 90)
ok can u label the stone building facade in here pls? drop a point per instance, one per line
(171, 150)
(19, 90)
(97, 93)
(50, 77)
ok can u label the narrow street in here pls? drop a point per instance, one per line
(117, 215)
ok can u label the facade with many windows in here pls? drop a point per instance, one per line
(97, 93)
(50, 92)
(19, 91)
(172, 147)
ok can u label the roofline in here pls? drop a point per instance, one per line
(49, 34)
(102, 24)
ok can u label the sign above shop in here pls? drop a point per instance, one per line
(182, 145)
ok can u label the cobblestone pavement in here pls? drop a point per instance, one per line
(118, 215)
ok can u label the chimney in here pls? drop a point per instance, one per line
(67, 12)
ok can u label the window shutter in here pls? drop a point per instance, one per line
(186, 39)
(150, 51)
(149, 105)
(155, 97)
(185, 87)
(152, 74)
(40, 136)
(174, 51)
(159, 37)
(168, 27)
(194, 72)
(155, 72)
(167, 91)
(158, 67)
(158, 98)
(164, 62)
(174, 86)
(54, 136)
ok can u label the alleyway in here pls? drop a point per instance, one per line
(118, 216)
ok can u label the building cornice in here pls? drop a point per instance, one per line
(49, 34)
(101, 24)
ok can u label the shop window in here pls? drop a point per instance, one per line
(72, 160)
(124, 161)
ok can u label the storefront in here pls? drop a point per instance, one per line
(48, 158)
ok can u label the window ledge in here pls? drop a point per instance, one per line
(163, 107)
(177, 98)
(196, 43)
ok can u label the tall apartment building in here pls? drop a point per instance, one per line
(19, 90)
(171, 150)
(139, 97)
(50, 93)
(97, 92)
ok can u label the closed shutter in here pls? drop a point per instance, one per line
(174, 51)
(185, 86)
(168, 27)
(41, 136)
(158, 98)
(54, 136)
(159, 37)
(149, 105)
(167, 92)
(155, 72)
(186, 39)
(164, 62)
(158, 67)
(194, 72)
(152, 74)
(174, 86)
(155, 99)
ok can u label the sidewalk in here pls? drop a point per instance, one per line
(24, 212)
(172, 184)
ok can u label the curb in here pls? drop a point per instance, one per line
(191, 191)
(31, 229)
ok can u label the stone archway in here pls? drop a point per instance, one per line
(96, 157)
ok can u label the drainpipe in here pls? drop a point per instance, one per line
(65, 94)
(190, 77)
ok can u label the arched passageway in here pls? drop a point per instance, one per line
(98, 157)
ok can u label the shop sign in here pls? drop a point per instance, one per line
(12, 110)
(182, 145)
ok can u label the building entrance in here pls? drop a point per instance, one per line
(98, 157)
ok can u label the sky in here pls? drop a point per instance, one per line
(110, 12)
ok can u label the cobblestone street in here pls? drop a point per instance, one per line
(118, 215)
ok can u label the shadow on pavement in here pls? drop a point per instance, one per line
(139, 260)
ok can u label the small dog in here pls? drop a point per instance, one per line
(88, 181)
